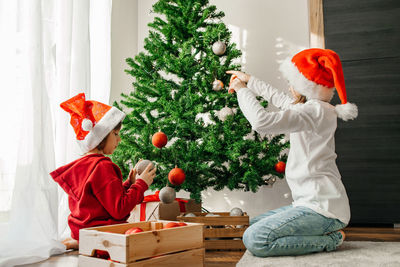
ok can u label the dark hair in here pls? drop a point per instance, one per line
(103, 142)
(300, 99)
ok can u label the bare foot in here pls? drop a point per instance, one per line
(71, 243)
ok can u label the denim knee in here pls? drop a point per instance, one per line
(256, 243)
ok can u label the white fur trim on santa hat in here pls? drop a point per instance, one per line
(101, 129)
(301, 84)
(348, 111)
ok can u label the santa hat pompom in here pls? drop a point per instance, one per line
(348, 111)
(87, 125)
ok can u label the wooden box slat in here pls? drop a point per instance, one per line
(223, 219)
(193, 257)
(224, 232)
(152, 242)
(164, 241)
(217, 237)
(224, 244)
(114, 244)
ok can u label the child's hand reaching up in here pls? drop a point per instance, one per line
(244, 77)
(148, 174)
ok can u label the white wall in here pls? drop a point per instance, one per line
(124, 44)
(266, 31)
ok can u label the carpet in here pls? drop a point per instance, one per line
(350, 253)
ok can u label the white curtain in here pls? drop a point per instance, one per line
(50, 50)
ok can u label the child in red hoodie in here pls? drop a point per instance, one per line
(96, 194)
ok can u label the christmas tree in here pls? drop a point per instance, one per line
(180, 77)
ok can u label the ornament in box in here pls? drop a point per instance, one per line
(236, 212)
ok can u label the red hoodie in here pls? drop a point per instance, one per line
(96, 193)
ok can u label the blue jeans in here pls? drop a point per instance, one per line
(292, 231)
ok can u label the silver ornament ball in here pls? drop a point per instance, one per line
(219, 48)
(224, 113)
(190, 215)
(167, 195)
(236, 212)
(217, 85)
(141, 166)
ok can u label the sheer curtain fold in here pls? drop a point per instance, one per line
(50, 47)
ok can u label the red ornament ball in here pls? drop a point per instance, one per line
(171, 225)
(101, 254)
(176, 176)
(280, 167)
(159, 139)
(133, 230)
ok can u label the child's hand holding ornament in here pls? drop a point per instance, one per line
(238, 80)
(236, 84)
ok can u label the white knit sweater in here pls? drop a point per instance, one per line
(311, 170)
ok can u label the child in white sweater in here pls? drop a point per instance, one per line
(320, 205)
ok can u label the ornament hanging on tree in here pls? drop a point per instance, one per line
(217, 85)
(225, 112)
(280, 167)
(176, 176)
(141, 166)
(167, 195)
(159, 139)
(219, 48)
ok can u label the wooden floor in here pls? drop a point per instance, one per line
(230, 258)
(372, 234)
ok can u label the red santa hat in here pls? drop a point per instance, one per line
(315, 73)
(92, 121)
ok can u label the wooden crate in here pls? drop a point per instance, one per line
(154, 247)
(222, 232)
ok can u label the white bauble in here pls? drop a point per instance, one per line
(190, 215)
(217, 85)
(167, 195)
(236, 212)
(141, 166)
(212, 215)
(225, 112)
(219, 48)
